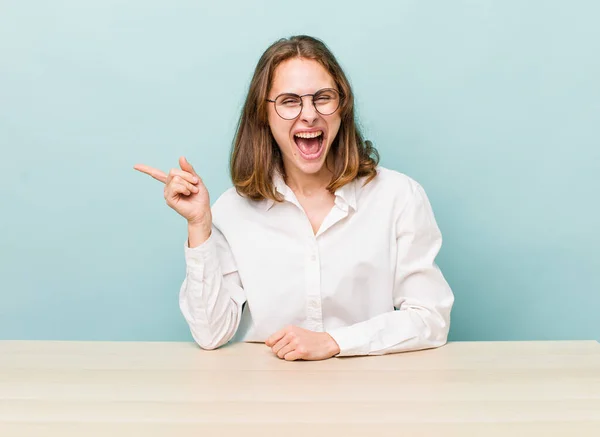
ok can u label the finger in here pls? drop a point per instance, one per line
(292, 356)
(154, 172)
(290, 337)
(177, 189)
(286, 349)
(178, 180)
(281, 344)
(186, 166)
(183, 175)
(275, 337)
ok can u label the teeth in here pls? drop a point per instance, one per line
(309, 134)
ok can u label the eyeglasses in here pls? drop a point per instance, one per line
(289, 106)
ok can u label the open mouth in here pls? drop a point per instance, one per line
(310, 144)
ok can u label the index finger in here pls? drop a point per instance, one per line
(273, 339)
(154, 172)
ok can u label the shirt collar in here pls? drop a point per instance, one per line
(280, 186)
(345, 197)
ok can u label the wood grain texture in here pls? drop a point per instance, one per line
(165, 389)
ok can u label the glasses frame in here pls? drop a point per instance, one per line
(340, 98)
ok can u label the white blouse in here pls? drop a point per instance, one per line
(368, 277)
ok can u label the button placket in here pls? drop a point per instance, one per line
(313, 284)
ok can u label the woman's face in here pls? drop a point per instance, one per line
(306, 140)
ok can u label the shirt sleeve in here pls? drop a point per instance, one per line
(422, 298)
(211, 296)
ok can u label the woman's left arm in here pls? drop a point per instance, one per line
(422, 298)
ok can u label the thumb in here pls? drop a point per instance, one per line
(186, 166)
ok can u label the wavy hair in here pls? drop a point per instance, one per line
(255, 155)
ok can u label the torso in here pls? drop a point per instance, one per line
(334, 278)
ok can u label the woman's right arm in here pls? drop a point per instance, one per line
(211, 297)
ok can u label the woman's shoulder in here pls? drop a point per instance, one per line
(230, 200)
(399, 192)
(233, 208)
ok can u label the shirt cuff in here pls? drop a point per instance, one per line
(204, 255)
(350, 340)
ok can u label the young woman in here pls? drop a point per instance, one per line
(316, 250)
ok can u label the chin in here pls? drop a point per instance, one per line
(310, 166)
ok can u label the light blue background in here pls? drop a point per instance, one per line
(493, 106)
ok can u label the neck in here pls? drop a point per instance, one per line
(308, 185)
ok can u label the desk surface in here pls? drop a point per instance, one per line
(175, 389)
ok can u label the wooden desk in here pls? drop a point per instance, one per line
(88, 389)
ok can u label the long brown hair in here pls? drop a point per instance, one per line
(255, 155)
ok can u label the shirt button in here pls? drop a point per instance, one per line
(313, 257)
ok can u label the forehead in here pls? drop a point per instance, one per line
(300, 76)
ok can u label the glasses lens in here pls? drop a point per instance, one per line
(288, 106)
(327, 101)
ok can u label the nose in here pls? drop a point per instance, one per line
(308, 114)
